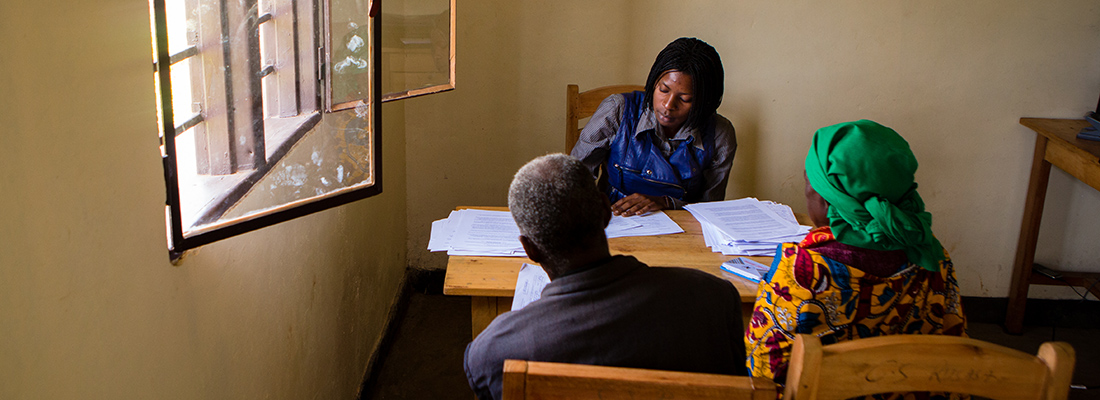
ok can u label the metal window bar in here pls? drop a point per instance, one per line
(190, 123)
(257, 149)
(297, 59)
(184, 54)
(278, 58)
(247, 136)
(228, 77)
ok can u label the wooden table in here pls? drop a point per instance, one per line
(1055, 144)
(491, 281)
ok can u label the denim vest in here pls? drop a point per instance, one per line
(637, 165)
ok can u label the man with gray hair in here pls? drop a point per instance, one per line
(601, 309)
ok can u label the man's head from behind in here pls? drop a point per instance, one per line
(560, 213)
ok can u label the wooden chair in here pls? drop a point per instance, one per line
(908, 363)
(579, 106)
(547, 380)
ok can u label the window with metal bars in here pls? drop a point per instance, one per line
(242, 83)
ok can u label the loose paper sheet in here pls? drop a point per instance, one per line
(492, 232)
(532, 279)
(652, 224)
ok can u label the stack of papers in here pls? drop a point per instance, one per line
(477, 233)
(494, 233)
(747, 226)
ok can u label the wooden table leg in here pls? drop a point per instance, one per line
(483, 310)
(1029, 236)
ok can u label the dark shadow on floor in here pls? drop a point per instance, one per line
(423, 358)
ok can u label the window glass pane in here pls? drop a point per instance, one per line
(197, 190)
(182, 107)
(350, 65)
(417, 53)
(255, 147)
(177, 25)
(335, 158)
(267, 88)
(265, 29)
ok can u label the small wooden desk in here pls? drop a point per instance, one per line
(491, 281)
(1055, 144)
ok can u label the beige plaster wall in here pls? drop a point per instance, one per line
(90, 307)
(514, 59)
(952, 77)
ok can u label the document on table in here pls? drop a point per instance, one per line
(652, 224)
(782, 210)
(797, 237)
(442, 232)
(480, 233)
(743, 218)
(746, 226)
(620, 223)
(532, 279)
(494, 233)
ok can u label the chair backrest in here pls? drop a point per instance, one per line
(908, 363)
(547, 380)
(579, 106)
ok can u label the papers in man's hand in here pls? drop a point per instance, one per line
(477, 233)
(494, 233)
(746, 268)
(532, 278)
(746, 226)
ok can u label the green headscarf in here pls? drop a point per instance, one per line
(865, 171)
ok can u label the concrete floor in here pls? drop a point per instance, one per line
(424, 357)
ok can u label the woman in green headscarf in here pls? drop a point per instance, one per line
(871, 266)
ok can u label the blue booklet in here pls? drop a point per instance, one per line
(746, 268)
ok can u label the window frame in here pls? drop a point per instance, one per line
(177, 241)
(443, 87)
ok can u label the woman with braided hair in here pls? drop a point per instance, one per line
(666, 146)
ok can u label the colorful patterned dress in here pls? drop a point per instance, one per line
(806, 292)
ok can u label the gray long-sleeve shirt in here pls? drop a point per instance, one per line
(621, 313)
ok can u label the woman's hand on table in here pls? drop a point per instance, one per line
(638, 204)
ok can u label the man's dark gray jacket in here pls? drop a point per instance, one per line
(620, 313)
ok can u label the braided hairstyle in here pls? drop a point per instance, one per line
(698, 59)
